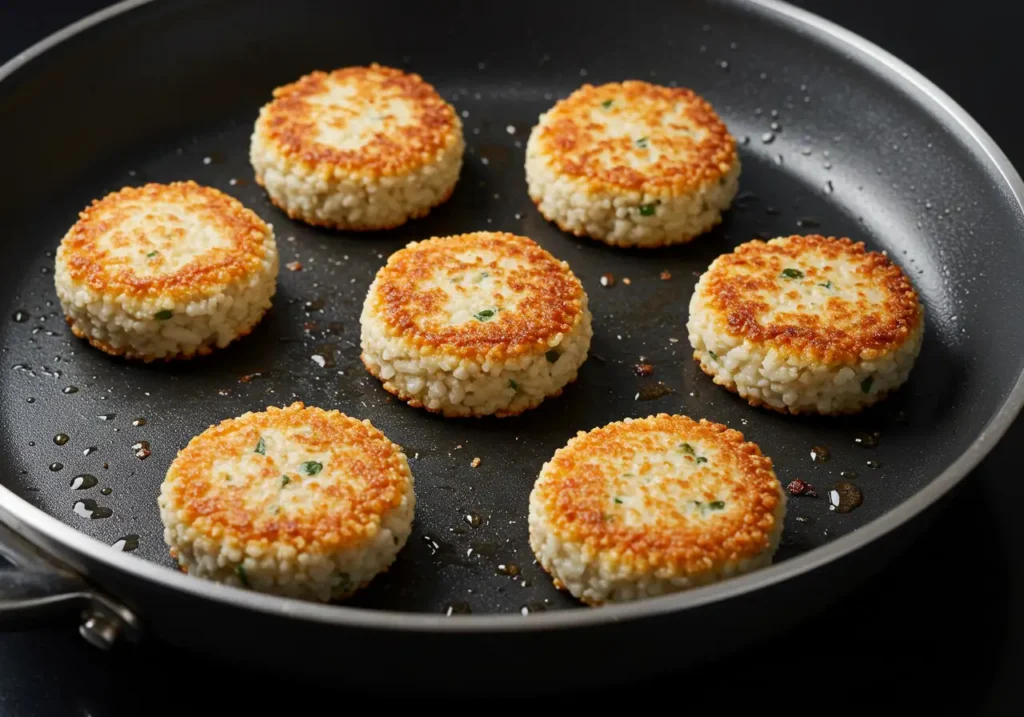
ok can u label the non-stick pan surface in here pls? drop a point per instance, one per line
(833, 140)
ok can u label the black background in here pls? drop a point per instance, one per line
(940, 630)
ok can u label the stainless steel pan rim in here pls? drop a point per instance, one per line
(29, 520)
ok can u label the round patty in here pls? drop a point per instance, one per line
(632, 164)
(358, 148)
(166, 271)
(806, 324)
(293, 501)
(475, 324)
(644, 507)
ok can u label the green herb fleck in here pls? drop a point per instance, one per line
(827, 284)
(619, 501)
(483, 315)
(513, 385)
(628, 475)
(483, 275)
(552, 356)
(240, 570)
(647, 210)
(701, 459)
(687, 449)
(456, 279)
(642, 143)
(790, 273)
(163, 315)
(285, 480)
(713, 355)
(865, 385)
(607, 104)
(312, 467)
(697, 503)
(261, 446)
(151, 254)
(716, 504)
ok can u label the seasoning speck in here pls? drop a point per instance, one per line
(800, 487)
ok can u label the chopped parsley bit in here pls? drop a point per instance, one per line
(687, 449)
(483, 315)
(628, 475)
(552, 356)
(697, 503)
(713, 355)
(865, 385)
(285, 480)
(647, 210)
(456, 279)
(827, 284)
(483, 275)
(790, 273)
(607, 104)
(701, 459)
(151, 254)
(261, 446)
(312, 467)
(513, 385)
(240, 570)
(618, 500)
(642, 143)
(163, 315)
(716, 504)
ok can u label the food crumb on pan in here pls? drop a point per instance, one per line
(475, 462)
(608, 279)
(294, 266)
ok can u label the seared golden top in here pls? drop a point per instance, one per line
(482, 295)
(364, 121)
(179, 241)
(822, 298)
(297, 476)
(662, 493)
(635, 136)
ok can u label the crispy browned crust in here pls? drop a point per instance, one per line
(343, 516)
(95, 266)
(573, 138)
(356, 227)
(573, 488)
(849, 331)
(289, 122)
(553, 301)
(416, 403)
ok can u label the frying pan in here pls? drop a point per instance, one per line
(837, 137)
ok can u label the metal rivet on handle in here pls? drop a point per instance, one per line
(99, 630)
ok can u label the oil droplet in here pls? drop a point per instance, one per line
(20, 316)
(106, 491)
(531, 607)
(139, 422)
(90, 450)
(70, 389)
(61, 438)
(848, 475)
(457, 608)
(141, 450)
(30, 400)
(867, 440)
(872, 464)
(87, 508)
(127, 544)
(807, 223)
(510, 569)
(83, 482)
(56, 467)
(483, 549)
(474, 520)
(844, 497)
(107, 416)
(767, 137)
(313, 305)
(819, 454)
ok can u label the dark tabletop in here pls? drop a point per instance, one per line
(941, 629)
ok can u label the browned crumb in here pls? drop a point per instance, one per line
(626, 281)
(475, 463)
(294, 266)
(665, 275)
(643, 369)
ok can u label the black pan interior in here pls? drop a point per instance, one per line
(169, 91)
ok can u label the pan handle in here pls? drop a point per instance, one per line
(35, 589)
